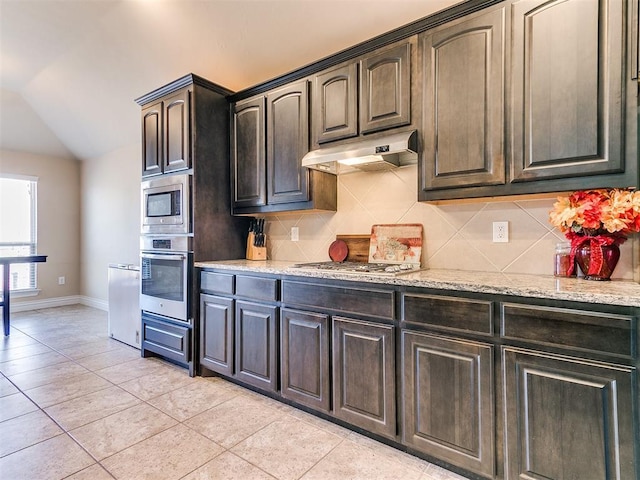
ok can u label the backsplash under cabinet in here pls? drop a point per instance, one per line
(457, 236)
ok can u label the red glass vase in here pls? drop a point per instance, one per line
(594, 267)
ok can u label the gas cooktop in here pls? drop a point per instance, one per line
(360, 268)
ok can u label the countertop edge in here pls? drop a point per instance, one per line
(623, 293)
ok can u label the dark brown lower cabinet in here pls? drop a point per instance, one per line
(304, 344)
(216, 333)
(256, 344)
(567, 418)
(448, 400)
(521, 389)
(364, 391)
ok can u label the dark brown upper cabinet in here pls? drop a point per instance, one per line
(463, 102)
(152, 156)
(269, 137)
(367, 95)
(335, 104)
(287, 143)
(248, 154)
(385, 89)
(567, 66)
(529, 97)
(165, 135)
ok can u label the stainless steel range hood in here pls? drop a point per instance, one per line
(368, 154)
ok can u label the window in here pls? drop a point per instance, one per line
(18, 227)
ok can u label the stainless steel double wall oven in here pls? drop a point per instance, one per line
(166, 259)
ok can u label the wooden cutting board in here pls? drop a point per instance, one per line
(358, 247)
(396, 243)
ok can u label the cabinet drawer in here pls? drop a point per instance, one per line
(370, 301)
(573, 329)
(166, 339)
(257, 288)
(448, 313)
(216, 282)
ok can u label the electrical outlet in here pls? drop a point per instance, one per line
(500, 232)
(61, 280)
(295, 234)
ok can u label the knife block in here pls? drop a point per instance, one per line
(253, 252)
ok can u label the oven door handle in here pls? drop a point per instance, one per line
(163, 256)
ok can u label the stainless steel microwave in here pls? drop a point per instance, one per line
(166, 205)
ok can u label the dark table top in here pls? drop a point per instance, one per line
(23, 259)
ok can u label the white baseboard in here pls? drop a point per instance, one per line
(95, 303)
(45, 303)
(26, 305)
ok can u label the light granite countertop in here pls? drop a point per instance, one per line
(615, 292)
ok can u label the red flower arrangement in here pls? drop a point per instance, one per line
(600, 217)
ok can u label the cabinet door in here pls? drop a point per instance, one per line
(364, 375)
(304, 343)
(248, 164)
(448, 400)
(256, 343)
(216, 334)
(287, 143)
(152, 150)
(567, 418)
(177, 132)
(335, 107)
(463, 103)
(385, 89)
(567, 88)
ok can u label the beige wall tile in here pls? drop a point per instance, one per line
(457, 236)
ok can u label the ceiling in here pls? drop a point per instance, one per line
(71, 69)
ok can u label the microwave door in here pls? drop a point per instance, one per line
(165, 205)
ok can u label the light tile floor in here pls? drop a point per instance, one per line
(75, 404)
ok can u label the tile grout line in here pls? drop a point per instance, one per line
(284, 413)
(63, 429)
(142, 400)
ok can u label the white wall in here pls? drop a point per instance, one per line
(110, 224)
(58, 220)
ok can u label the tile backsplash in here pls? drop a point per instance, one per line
(457, 236)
